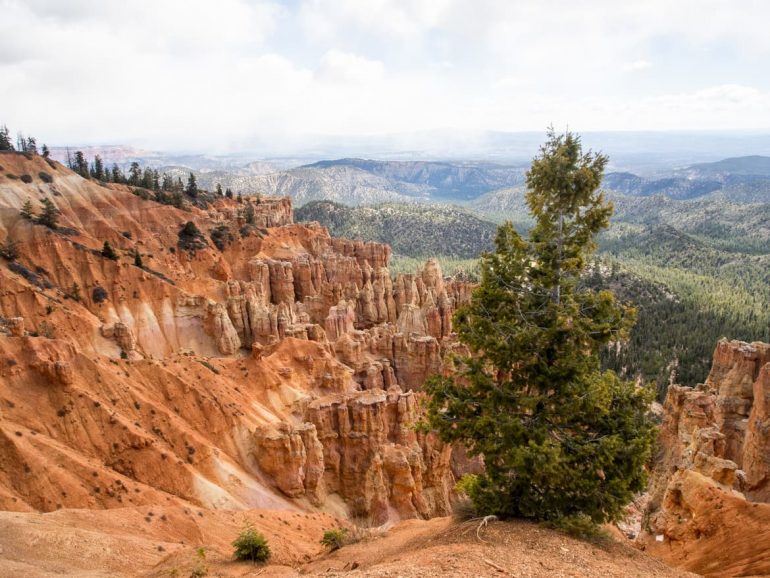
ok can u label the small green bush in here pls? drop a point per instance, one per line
(251, 545)
(99, 294)
(26, 179)
(334, 539)
(45, 177)
(200, 569)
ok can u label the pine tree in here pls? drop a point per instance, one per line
(98, 169)
(240, 198)
(561, 439)
(138, 259)
(9, 250)
(147, 178)
(168, 182)
(81, 165)
(219, 190)
(249, 214)
(46, 152)
(5, 139)
(31, 146)
(134, 174)
(27, 212)
(229, 193)
(117, 174)
(192, 186)
(50, 215)
(108, 252)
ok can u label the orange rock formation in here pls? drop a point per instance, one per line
(278, 372)
(709, 507)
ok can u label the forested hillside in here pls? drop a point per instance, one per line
(412, 230)
(696, 269)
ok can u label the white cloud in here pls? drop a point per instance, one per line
(202, 74)
(338, 66)
(637, 65)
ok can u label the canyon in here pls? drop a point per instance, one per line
(279, 370)
(232, 365)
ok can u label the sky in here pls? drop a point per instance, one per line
(224, 74)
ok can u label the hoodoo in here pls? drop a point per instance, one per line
(129, 385)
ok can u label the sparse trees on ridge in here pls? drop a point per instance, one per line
(5, 139)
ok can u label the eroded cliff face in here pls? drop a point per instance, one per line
(710, 490)
(281, 369)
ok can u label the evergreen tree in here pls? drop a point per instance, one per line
(219, 190)
(31, 146)
(155, 180)
(138, 259)
(240, 198)
(21, 143)
(5, 139)
(50, 215)
(46, 152)
(117, 174)
(97, 171)
(168, 182)
(108, 252)
(81, 165)
(229, 193)
(27, 212)
(249, 214)
(134, 174)
(192, 186)
(147, 178)
(561, 439)
(9, 250)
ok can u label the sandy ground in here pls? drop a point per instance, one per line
(163, 543)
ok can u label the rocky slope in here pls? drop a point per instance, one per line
(710, 494)
(277, 372)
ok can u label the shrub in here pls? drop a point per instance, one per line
(464, 509)
(222, 237)
(199, 569)
(190, 237)
(74, 292)
(108, 252)
(10, 250)
(251, 545)
(26, 178)
(34, 278)
(45, 177)
(334, 539)
(99, 295)
(126, 234)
